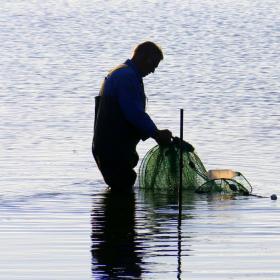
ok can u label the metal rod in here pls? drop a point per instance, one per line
(181, 159)
(179, 269)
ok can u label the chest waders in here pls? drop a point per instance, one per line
(114, 141)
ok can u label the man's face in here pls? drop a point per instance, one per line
(149, 66)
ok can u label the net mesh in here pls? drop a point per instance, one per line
(160, 170)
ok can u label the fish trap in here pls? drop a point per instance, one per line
(160, 170)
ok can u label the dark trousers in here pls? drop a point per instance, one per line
(118, 173)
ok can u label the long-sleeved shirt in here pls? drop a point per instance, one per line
(126, 84)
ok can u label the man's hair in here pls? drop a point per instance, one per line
(148, 50)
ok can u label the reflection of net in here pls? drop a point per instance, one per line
(160, 170)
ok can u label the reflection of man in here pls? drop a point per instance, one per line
(120, 118)
(114, 250)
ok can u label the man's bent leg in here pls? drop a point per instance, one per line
(119, 175)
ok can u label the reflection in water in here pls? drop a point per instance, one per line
(114, 249)
(179, 245)
(168, 239)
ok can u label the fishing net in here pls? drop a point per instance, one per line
(160, 170)
(236, 184)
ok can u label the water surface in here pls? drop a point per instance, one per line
(221, 65)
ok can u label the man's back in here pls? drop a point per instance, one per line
(121, 120)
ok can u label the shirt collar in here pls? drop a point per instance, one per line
(134, 67)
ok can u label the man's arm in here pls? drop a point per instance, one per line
(131, 102)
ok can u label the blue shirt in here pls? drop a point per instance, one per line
(126, 84)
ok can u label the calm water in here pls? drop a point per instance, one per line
(57, 220)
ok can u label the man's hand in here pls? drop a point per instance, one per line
(163, 137)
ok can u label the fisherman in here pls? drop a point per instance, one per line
(120, 118)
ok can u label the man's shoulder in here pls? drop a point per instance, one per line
(122, 70)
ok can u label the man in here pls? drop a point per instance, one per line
(120, 118)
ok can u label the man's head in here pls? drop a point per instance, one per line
(147, 57)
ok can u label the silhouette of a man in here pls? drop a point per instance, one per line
(120, 118)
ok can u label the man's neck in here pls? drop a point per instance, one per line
(138, 65)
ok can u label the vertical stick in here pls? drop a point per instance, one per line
(181, 158)
(179, 269)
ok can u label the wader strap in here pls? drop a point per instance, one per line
(97, 103)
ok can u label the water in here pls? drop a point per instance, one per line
(57, 220)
